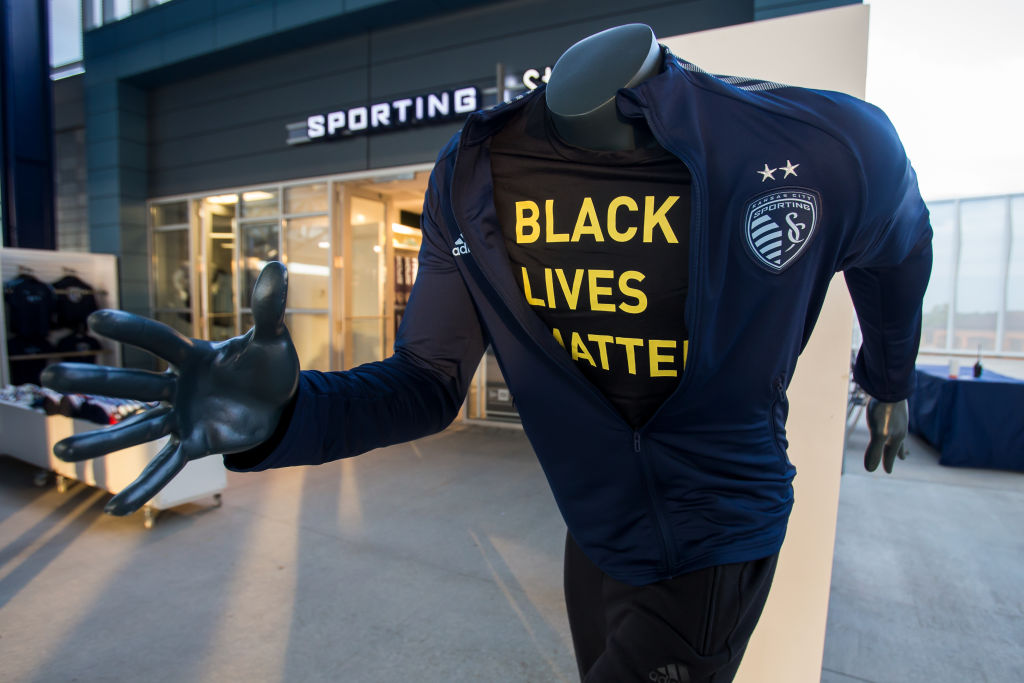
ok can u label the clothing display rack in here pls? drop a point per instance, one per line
(29, 435)
(99, 270)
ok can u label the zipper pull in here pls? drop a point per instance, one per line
(636, 441)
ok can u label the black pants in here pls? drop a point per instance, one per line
(691, 628)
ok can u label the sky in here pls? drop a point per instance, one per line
(947, 73)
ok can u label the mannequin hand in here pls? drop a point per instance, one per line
(887, 423)
(217, 397)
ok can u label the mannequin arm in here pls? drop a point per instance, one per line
(415, 392)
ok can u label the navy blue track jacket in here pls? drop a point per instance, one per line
(790, 185)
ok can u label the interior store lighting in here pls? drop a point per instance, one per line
(299, 268)
(257, 196)
(405, 230)
(324, 245)
(223, 199)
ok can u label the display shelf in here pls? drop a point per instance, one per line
(99, 270)
(56, 355)
(30, 435)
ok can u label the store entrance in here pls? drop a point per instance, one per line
(351, 246)
(400, 197)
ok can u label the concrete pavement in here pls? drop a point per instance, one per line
(440, 560)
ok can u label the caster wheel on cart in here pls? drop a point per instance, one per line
(41, 478)
(217, 500)
(63, 483)
(149, 517)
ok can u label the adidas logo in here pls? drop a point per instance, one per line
(460, 247)
(673, 673)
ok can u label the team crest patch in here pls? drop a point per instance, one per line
(779, 225)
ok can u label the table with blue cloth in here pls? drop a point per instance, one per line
(973, 422)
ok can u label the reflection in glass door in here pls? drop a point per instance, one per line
(365, 276)
(218, 216)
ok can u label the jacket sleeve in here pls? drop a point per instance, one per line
(888, 263)
(415, 392)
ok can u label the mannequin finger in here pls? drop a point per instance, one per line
(85, 378)
(872, 455)
(158, 473)
(268, 300)
(892, 448)
(148, 335)
(138, 429)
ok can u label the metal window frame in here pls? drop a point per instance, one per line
(1004, 267)
(336, 292)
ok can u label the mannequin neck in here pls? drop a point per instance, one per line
(582, 88)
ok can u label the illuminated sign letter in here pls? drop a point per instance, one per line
(465, 100)
(437, 105)
(401, 108)
(335, 122)
(315, 126)
(380, 115)
(357, 118)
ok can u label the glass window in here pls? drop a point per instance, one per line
(219, 213)
(1013, 326)
(307, 249)
(65, 32)
(173, 277)
(121, 9)
(260, 244)
(939, 297)
(979, 286)
(182, 321)
(171, 213)
(310, 333)
(366, 340)
(306, 198)
(365, 260)
(259, 203)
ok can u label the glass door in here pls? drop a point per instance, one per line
(306, 233)
(218, 218)
(364, 232)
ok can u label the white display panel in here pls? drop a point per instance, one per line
(826, 49)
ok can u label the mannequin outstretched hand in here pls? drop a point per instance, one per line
(216, 397)
(887, 423)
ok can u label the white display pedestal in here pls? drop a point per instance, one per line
(29, 435)
(824, 49)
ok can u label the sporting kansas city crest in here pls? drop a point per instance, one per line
(779, 225)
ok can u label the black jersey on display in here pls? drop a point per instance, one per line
(31, 303)
(75, 301)
(598, 243)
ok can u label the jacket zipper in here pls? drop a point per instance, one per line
(664, 533)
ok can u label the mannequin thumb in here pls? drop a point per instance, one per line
(269, 296)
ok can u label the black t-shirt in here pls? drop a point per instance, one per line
(599, 245)
(31, 304)
(75, 301)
